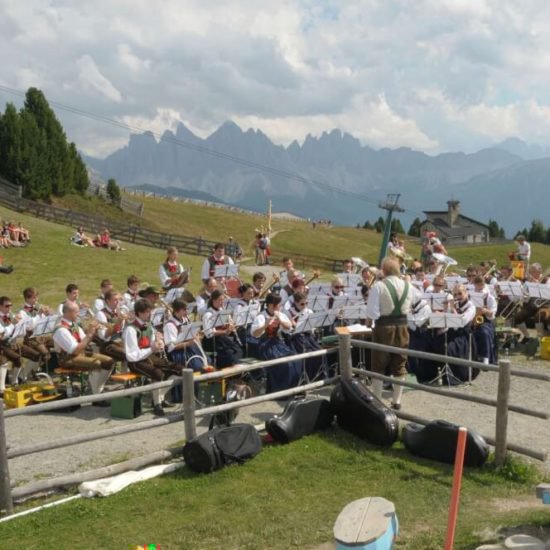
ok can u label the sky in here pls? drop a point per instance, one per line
(434, 75)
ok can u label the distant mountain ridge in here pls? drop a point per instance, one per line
(335, 158)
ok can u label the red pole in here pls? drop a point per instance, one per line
(455, 492)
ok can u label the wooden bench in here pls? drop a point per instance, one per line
(125, 377)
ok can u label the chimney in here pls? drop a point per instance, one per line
(454, 211)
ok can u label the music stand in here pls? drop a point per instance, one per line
(445, 321)
(353, 312)
(319, 303)
(188, 332)
(227, 271)
(46, 325)
(157, 316)
(173, 294)
(350, 279)
(20, 330)
(319, 289)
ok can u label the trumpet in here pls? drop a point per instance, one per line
(265, 290)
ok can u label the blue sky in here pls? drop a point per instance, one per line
(435, 75)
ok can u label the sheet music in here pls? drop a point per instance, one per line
(511, 288)
(246, 315)
(227, 270)
(350, 279)
(173, 294)
(538, 290)
(359, 329)
(318, 303)
(20, 329)
(157, 316)
(352, 312)
(453, 280)
(305, 324)
(45, 325)
(221, 318)
(339, 302)
(188, 332)
(437, 301)
(478, 299)
(446, 320)
(319, 289)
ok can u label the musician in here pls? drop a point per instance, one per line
(304, 341)
(203, 298)
(336, 289)
(471, 274)
(417, 324)
(298, 285)
(269, 326)
(246, 299)
(258, 282)
(150, 294)
(171, 272)
(368, 278)
(438, 288)
(348, 266)
(487, 271)
(109, 332)
(484, 328)
(220, 339)
(131, 295)
(72, 296)
(32, 311)
(504, 302)
(388, 304)
(105, 286)
(218, 257)
(531, 307)
(188, 354)
(287, 290)
(70, 343)
(144, 351)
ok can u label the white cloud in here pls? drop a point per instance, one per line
(431, 74)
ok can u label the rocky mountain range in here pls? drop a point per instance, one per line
(334, 176)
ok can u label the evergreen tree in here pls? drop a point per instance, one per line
(10, 144)
(414, 229)
(396, 226)
(537, 233)
(368, 225)
(379, 224)
(113, 191)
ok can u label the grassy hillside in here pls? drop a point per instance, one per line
(290, 237)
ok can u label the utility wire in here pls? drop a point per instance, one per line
(202, 149)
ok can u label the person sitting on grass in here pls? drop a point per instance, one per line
(80, 238)
(103, 240)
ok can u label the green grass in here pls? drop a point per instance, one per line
(287, 497)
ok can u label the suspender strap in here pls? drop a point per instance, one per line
(397, 302)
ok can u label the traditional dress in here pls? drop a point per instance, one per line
(227, 351)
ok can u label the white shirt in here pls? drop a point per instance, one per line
(524, 250)
(133, 352)
(165, 276)
(63, 339)
(28, 317)
(263, 318)
(208, 320)
(379, 301)
(101, 316)
(205, 271)
(202, 305)
(99, 303)
(490, 303)
(129, 300)
(171, 331)
(467, 311)
(420, 311)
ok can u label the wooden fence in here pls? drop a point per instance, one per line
(190, 415)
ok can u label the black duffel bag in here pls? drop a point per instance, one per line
(221, 447)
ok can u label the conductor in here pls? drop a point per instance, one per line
(388, 303)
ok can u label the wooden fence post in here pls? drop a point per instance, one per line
(344, 356)
(6, 501)
(188, 390)
(503, 396)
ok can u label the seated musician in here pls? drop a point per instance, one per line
(368, 278)
(304, 341)
(348, 266)
(419, 334)
(336, 289)
(246, 299)
(269, 326)
(287, 291)
(171, 272)
(258, 283)
(484, 328)
(131, 295)
(72, 294)
(203, 298)
(298, 285)
(109, 332)
(530, 310)
(438, 287)
(188, 354)
(70, 343)
(454, 342)
(104, 287)
(32, 311)
(144, 349)
(217, 258)
(222, 340)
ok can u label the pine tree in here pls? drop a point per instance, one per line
(379, 224)
(10, 144)
(396, 226)
(113, 191)
(368, 225)
(414, 229)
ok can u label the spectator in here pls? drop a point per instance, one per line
(80, 238)
(233, 250)
(103, 240)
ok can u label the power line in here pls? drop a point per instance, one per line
(201, 149)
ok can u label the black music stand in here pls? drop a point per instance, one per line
(445, 321)
(244, 317)
(226, 271)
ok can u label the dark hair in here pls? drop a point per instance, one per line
(106, 282)
(71, 287)
(214, 296)
(217, 246)
(132, 279)
(299, 296)
(286, 259)
(109, 294)
(478, 279)
(258, 275)
(141, 306)
(244, 287)
(178, 305)
(29, 292)
(3, 300)
(273, 299)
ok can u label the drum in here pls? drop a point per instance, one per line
(518, 269)
(232, 287)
